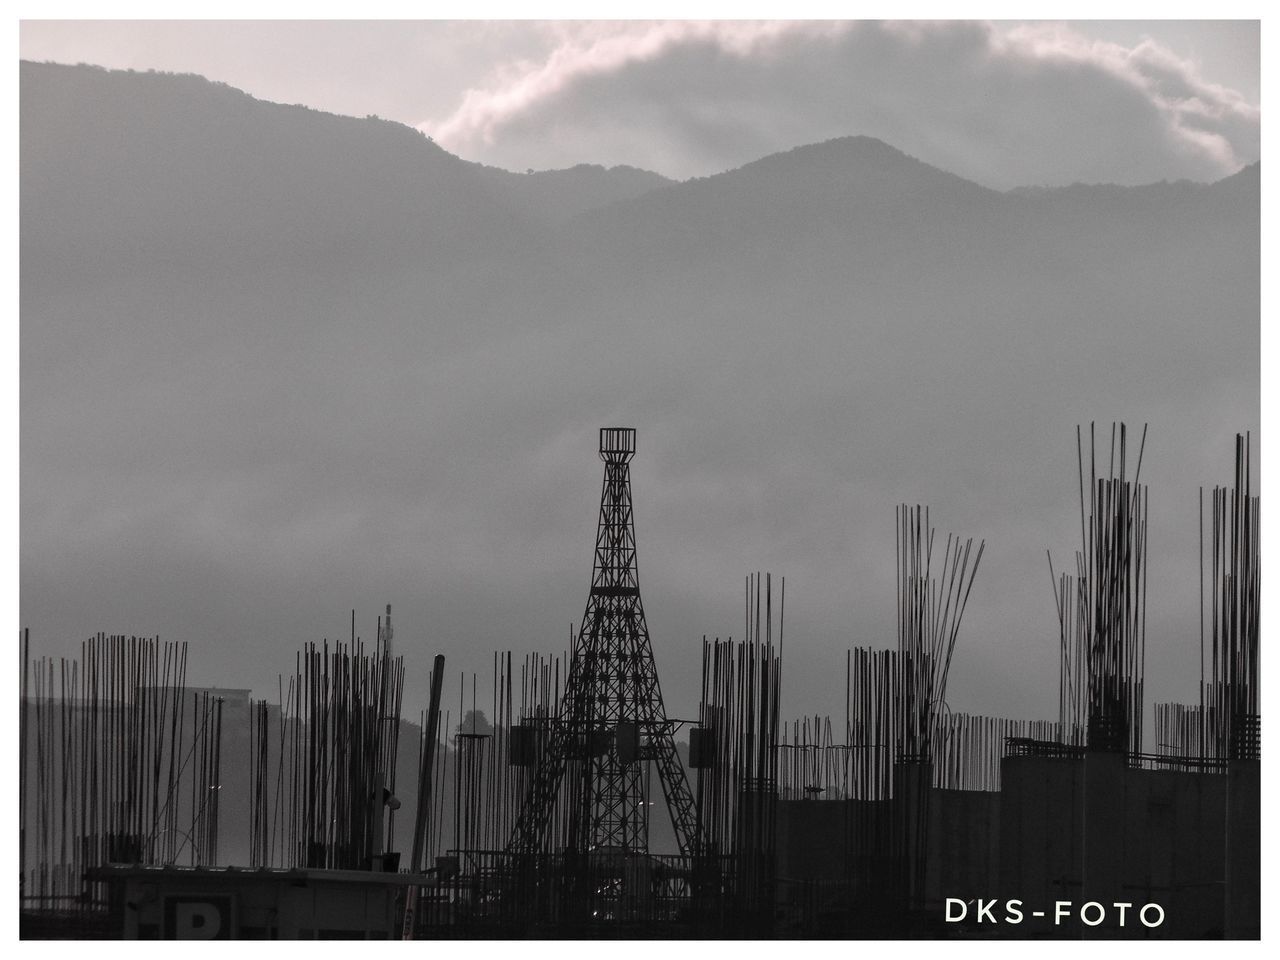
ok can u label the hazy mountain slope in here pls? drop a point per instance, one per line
(277, 364)
(553, 196)
(905, 264)
(197, 162)
(168, 161)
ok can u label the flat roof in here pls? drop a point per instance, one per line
(270, 874)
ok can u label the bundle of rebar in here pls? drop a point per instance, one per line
(124, 767)
(324, 802)
(1178, 730)
(531, 728)
(930, 607)
(1229, 695)
(736, 770)
(873, 720)
(494, 751)
(1102, 612)
(966, 750)
(812, 763)
(970, 747)
(739, 708)
(1072, 604)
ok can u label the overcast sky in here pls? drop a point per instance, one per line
(1008, 104)
(1003, 105)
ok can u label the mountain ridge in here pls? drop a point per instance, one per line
(68, 91)
(634, 181)
(272, 360)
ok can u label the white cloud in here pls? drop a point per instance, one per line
(596, 50)
(1004, 105)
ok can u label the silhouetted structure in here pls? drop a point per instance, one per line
(612, 714)
(536, 825)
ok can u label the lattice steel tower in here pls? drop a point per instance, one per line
(611, 717)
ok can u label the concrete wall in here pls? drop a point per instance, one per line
(811, 839)
(964, 844)
(1066, 830)
(1040, 829)
(1174, 847)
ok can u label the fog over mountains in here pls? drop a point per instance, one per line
(279, 364)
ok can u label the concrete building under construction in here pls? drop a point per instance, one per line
(907, 821)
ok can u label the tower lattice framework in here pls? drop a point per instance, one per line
(611, 718)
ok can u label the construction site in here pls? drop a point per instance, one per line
(552, 796)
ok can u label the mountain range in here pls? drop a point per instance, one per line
(276, 363)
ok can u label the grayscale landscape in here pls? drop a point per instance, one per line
(279, 364)
(331, 628)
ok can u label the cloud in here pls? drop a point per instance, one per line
(1003, 105)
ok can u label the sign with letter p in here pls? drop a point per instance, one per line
(198, 917)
